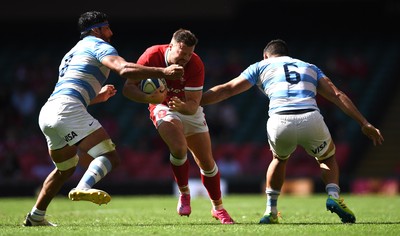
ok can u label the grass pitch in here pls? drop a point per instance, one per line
(156, 215)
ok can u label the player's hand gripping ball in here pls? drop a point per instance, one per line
(151, 84)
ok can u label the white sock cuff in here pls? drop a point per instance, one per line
(210, 173)
(175, 161)
(272, 191)
(38, 212)
(332, 186)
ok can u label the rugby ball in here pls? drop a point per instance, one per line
(151, 84)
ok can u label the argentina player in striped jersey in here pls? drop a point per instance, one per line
(295, 120)
(66, 124)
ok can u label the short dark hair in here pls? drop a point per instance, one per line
(276, 47)
(186, 37)
(88, 19)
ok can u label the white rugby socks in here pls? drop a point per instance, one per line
(97, 169)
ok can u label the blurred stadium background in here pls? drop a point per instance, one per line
(355, 42)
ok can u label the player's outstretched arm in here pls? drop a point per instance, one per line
(130, 70)
(329, 91)
(221, 92)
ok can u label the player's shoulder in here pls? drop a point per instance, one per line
(298, 60)
(301, 62)
(153, 56)
(161, 48)
(310, 66)
(196, 56)
(96, 45)
(95, 40)
(196, 60)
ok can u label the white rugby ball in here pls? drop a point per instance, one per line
(151, 84)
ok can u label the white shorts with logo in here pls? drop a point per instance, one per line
(286, 132)
(192, 124)
(65, 120)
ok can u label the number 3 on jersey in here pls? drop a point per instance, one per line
(65, 65)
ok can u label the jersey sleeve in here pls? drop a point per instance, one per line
(251, 73)
(103, 49)
(144, 58)
(195, 74)
(319, 72)
(152, 56)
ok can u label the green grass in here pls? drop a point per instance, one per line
(156, 215)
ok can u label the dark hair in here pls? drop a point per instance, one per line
(276, 47)
(186, 37)
(88, 19)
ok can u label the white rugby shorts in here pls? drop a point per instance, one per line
(286, 132)
(192, 124)
(65, 120)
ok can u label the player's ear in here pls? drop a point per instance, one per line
(95, 31)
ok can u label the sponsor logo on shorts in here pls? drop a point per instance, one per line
(70, 136)
(320, 148)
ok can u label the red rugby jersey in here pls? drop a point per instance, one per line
(192, 80)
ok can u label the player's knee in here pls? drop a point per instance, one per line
(178, 151)
(66, 174)
(329, 153)
(177, 147)
(280, 157)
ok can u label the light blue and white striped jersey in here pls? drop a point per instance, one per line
(289, 83)
(81, 73)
